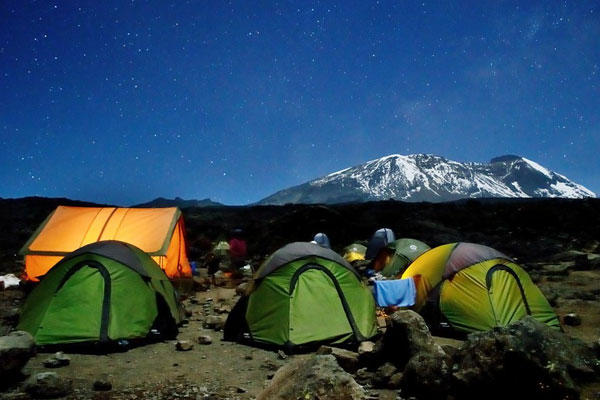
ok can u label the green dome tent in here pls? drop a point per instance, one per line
(304, 295)
(101, 293)
(473, 288)
(405, 251)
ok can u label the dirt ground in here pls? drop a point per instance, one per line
(225, 370)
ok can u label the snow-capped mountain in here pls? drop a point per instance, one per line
(423, 177)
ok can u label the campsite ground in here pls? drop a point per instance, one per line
(550, 239)
(225, 370)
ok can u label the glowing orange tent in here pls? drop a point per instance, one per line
(157, 231)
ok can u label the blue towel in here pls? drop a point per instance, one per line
(397, 292)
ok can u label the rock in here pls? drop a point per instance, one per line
(184, 345)
(216, 322)
(407, 335)
(383, 375)
(395, 381)
(48, 385)
(555, 270)
(269, 365)
(204, 339)
(15, 350)
(282, 355)
(242, 288)
(426, 376)
(58, 360)
(569, 256)
(15, 396)
(364, 376)
(312, 377)
(538, 361)
(223, 309)
(346, 359)
(572, 319)
(366, 347)
(594, 263)
(101, 385)
(240, 390)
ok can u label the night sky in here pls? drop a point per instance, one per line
(121, 102)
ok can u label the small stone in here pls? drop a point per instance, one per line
(184, 345)
(101, 385)
(58, 360)
(364, 376)
(240, 390)
(204, 339)
(366, 347)
(572, 319)
(242, 288)
(215, 322)
(282, 355)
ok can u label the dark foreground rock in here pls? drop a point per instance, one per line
(15, 350)
(526, 359)
(310, 378)
(407, 336)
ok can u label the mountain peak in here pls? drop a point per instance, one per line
(505, 158)
(428, 177)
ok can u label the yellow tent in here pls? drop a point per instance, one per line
(157, 231)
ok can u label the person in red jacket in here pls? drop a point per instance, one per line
(237, 249)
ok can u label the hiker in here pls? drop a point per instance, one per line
(237, 249)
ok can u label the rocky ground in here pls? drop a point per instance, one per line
(563, 259)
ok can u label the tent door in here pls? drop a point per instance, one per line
(316, 311)
(506, 295)
(103, 334)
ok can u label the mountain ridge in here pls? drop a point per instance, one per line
(427, 177)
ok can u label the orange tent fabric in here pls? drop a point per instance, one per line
(157, 231)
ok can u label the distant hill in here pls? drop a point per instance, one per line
(424, 177)
(178, 202)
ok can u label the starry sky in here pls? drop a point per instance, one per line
(121, 102)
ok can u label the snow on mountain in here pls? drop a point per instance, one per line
(423, 177)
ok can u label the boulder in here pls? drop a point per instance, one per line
(312, 377)
(407, 335)
(526, 359)
(346, 359)
(47, 385)
(15, 350)
(426, 376)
